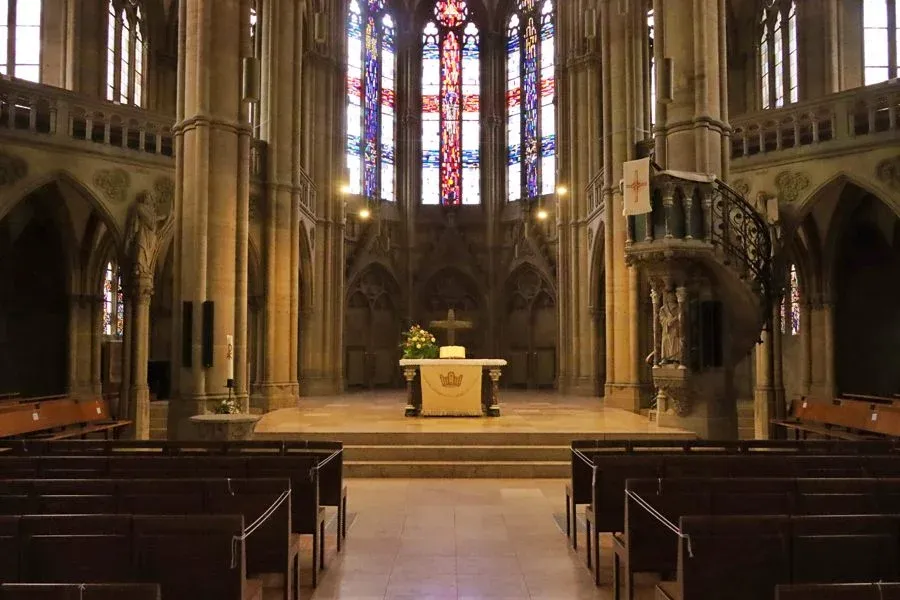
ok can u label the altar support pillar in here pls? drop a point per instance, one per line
(207, 130)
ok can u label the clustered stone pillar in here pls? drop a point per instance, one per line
(622, 38)
(323, 147)
(207, 131)
(580, 156)
(139, 406)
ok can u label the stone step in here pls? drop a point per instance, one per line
(459, 469)
(480, 438)
(425, 453)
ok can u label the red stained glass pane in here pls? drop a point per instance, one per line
(471, 103)
(387, 97)
(430, 104)
(451, 13)
(451, 131)
(354, 87)
(548, 87)
(513, 97)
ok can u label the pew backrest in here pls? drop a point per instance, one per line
(79, 591)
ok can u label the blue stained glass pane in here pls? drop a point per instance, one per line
(548, 145)
(514, 154)
(530, 110)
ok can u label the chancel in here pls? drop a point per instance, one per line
(581, 226)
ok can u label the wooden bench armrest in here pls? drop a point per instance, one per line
(667, 590)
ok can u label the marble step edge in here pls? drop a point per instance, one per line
(462, 438)
(469, 463)
(458, 470)
(467, 453)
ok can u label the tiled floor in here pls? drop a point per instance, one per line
(417, 539)
(532, 412)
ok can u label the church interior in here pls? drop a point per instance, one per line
(623, 227)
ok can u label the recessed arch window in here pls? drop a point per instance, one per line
(881, 51)
(451, 106)
(530, 96)
(790, 307)
(113, 302)
(20, 39)
(651, 37)
(779, 74)
(126, 52)
(371, 64)
(256, 44)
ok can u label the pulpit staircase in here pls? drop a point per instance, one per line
(701, 227)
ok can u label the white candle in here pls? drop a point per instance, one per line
(229, 356)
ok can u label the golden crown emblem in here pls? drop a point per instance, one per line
(451, 379)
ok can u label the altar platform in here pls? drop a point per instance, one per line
(530, 439)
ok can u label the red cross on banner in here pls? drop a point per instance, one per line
(637, 187)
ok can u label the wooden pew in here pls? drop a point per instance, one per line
(838, 591)
(271, 549)
(746, 557)
(850, 419)
(332, 490)
(79, 591)
(307, 514)
(196, 556)
(648, 544)
(871, 399)
(579, 490)
(59, 418)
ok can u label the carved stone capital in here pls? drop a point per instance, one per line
(888, 172)
(114, 184)
(790, 184)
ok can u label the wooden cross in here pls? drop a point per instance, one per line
(451, 325)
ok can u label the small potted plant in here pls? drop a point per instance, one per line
(418, 343)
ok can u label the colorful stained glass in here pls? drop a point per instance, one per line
(530, 101)
(370, 99)
(451, 107)
(113, 302)
(790, 308)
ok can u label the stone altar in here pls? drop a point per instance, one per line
(452, 387)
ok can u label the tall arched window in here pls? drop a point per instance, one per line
(779, 75)
(880, 46)
(256, 44)
(370, 99)
(530, 94)
(790, 308)
(126, 52)
(451, 111)
(113, 302)
(20, 39)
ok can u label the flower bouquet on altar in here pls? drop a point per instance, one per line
(418, 343)
(228, 406)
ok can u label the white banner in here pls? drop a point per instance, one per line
(637, 187)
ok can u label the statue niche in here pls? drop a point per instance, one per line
(372, 331)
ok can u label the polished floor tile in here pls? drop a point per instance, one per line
(460, 540)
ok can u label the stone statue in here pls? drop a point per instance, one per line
(143, 234)
(670, 323)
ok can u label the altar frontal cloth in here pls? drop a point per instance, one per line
(451, 391)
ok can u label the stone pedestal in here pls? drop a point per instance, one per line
(223, 428)
(700, 402)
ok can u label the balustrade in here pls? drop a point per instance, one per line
(594, 194)
(43, 110)
(851, 115)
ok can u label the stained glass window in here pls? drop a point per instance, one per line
(530, 95)
(256, 44)
(20, 39)
(113, 302)
(779, 74)
(651, 34)
(451, 107)
(371, 68)
(126, 52)
(790, 308)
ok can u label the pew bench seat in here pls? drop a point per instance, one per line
(667, 590)
(838, 591)
(801, 427)
(79, 591)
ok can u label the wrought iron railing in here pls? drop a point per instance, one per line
(706, 209)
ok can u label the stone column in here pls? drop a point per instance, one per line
(96, 307)
(805, 348)
(620, 37)
(827, 320)
(579, 110)
(277, 386)
(323, 147)
(768, 402)
(74, 310)
(142, 291)
(207, 134)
